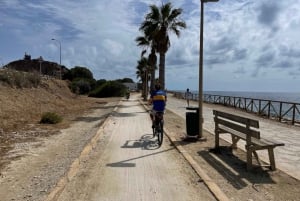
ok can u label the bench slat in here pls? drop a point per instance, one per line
(239, 128)
(258, 142)
(243, 120)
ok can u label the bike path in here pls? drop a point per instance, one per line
(133, 166)
(287, 157)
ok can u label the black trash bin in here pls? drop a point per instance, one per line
(192, 122)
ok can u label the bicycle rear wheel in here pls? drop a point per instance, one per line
(154, 131)
(160, 133)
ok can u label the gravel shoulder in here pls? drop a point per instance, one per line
(42, 162)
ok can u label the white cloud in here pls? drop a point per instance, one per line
(245, 41)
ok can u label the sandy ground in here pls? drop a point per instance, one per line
(46, 160)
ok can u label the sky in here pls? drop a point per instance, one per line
(249, 45)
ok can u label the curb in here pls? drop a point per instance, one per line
(211, 185)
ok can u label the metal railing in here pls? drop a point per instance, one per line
(286, 112)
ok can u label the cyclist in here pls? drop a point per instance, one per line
(158, 99)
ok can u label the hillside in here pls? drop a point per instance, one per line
(21, 110)
(35, 65)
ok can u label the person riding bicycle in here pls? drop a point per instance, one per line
(158, 99)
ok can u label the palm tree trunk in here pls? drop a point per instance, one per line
(145, 86)
(152, 60)
(152, 78)
(162, 58)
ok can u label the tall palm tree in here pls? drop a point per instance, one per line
(157, 25)
(142, 69)
(146, 43)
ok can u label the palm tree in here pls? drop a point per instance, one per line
(146, 42)
(158, 22)
(142, 69)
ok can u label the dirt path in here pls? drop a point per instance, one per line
(42, 163)
(132, 167)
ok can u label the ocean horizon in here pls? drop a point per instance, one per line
(274, 96)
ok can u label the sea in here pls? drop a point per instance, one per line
(288, 98)
(293, 97)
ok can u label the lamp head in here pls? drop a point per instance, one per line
(205, 1)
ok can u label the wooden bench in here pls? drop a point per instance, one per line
(246, 129)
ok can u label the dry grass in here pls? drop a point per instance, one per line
(21, 110)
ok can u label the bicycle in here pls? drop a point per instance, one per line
(158, 127)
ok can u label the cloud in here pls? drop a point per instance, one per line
(265, 59)
(243, 39)
(268, 13)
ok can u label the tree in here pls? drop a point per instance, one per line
(158, 22)
(79, 72)
(125, 80)
(146, 42)
(142, 69)
(82, 80)
(109, 89)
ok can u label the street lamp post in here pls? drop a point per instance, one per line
(59, 55)
(200, 98)
(1, 63)
(145, 84)
(40, 60)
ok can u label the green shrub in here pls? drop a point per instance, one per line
(81, 86)
(50, 118)
(109, 89)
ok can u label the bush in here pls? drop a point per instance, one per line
(80, 86)
(50, 118)
(109, 89)
(19, 79)
(79, 72)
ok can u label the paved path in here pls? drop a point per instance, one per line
(133, 167)
(287, 157)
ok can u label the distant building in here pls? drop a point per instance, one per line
(27, 57)
(131, 86)
(27, 64)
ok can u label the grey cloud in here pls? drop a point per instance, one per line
(283, 64)
(268, 13)
(240, 54)
(266, 47)
(289, 52)
(224, 44)
(226, 50)
(255, 72)
(240, 70)
(294, 74)
(179, 60)
(211, 60)
(266, 59)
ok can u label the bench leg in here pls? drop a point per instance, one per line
(249, 157)
(272, 159)
(216, 139)
(256, 157)
(234, 140)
